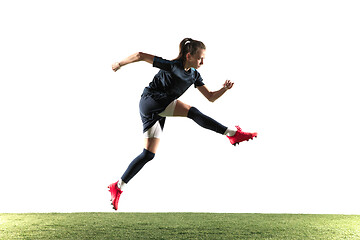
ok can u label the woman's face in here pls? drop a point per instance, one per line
(196, 60)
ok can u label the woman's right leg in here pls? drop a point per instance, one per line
(151, 144)
(152, 140)
(148, 153)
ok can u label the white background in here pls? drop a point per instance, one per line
(69, 126)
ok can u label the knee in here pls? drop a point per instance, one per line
(147, 155)
(193, 111)
(181, 109)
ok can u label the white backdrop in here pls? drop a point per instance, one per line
(69, 126)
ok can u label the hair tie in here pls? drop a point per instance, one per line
(187, 42)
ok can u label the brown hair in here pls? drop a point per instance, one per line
(188, 45)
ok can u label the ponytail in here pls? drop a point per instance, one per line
(188, 45)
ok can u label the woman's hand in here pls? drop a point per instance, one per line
(116, 66)
(228, 84)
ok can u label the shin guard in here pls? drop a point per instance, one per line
(205, 121)
(137, 164)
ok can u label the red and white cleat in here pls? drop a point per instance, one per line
(241, 136)
(115, 194)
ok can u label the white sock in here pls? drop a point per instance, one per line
(230, 132)
(121, 184)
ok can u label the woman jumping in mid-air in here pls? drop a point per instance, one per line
(159, 100)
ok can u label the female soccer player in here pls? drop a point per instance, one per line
(160, 100)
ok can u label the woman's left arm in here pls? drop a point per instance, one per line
(212, 96)
(139, 56)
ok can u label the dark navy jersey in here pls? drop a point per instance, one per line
(172, 80)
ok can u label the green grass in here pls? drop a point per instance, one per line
(177, 226)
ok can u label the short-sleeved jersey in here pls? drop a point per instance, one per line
(172, 80)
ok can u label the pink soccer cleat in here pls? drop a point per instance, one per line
(115, 194)
(241, 136)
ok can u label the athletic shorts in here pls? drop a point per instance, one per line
(153, 114)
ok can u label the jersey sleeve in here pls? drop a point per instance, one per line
(163, 64)
(198, 80)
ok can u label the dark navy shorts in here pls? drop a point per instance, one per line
(149, 111)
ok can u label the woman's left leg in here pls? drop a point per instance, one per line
(184, 110)
(235, 135)
(181, 109)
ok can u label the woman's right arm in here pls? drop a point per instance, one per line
(139, 56)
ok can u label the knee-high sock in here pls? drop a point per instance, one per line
(136, 165)
(205, 121)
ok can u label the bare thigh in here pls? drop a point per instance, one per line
(181, 109)
(151, 144)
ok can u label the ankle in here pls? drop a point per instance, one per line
(121, 184)
(230, 132)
